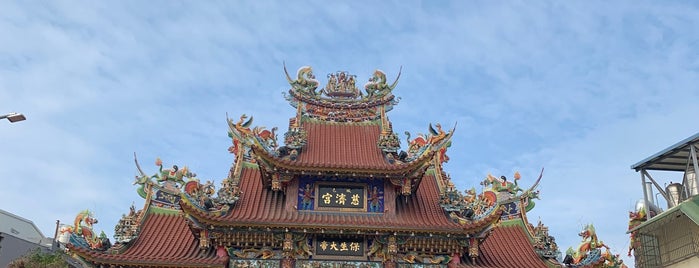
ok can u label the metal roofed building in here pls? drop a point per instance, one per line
(668, 238)
(18, 236)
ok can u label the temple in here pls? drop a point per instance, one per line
(338, 191)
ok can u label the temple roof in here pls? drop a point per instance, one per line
(261, 206)
(338, 134)
(164, 240)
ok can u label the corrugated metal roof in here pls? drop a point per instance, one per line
(674, 158)
(20, 227)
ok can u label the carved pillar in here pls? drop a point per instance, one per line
(406, 187)
(391, 252)
(288, 246)
(276, 183)
(288, 256)
(203, 240)
(473, 249)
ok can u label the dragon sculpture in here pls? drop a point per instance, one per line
(81, 233)
(175, 174)
(470, 206)
(414, 257)
(437, 139)
(202, 195)
(305, 80)
(267, 137)
(591, 252)
(377, 86)
(635, 219)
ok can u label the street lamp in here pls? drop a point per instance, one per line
(13, 117)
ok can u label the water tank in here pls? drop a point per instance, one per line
(654, 210)
(675, 193)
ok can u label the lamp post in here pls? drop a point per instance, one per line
(13, 117)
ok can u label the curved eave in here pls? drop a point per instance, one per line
(401, 169)
(162, 261)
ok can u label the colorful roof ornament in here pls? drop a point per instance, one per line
(81, 233)
(592, 252)
(126, 229)
(544, 244)
(175, 184)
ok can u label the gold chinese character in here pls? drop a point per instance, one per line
(333, 246)
(343, 246)
(324, 245)
(326, 198)
(355, 200)
(340, 199)
(354, 246)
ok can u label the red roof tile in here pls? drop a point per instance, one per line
(343, 146)
(508, 246)
(164, 240)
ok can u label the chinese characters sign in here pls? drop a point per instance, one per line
(339, 247)
(341, 196)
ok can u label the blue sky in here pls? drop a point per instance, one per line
(582, 88)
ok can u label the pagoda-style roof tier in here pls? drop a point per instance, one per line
(262, 207)
(347, 148)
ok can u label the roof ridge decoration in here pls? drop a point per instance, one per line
(636, 218)
(592, 252)
(174, 185)
(544, 244)
(127, 228)
(437, 140)
(81, 233)
(340, 100)
(499, 201)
